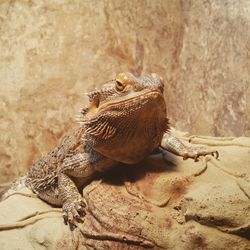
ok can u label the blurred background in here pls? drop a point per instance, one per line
(53, 51)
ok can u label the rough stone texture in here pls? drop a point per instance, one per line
(211, 80)
(172, 204)
(53, 51)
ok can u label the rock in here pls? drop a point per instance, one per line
(54, 51)
(171, 204)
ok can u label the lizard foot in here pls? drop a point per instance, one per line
(195, 153)
(73, 211)
(177, 146)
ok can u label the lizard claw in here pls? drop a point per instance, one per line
(215, 154)
(73, 211)
(200, 152)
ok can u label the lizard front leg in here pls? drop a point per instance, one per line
(72, 202)
(78, 165)
(176, 146)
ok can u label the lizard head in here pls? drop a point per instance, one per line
(126, 118)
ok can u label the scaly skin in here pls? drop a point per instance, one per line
(124, 122)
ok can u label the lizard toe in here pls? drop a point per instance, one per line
(73, 211)
(196, 153)
(65, 218)
(70, 218)
(80, 210)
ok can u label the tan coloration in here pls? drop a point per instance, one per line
(211, 79)
(124, 122)
(204, 213)
(117, 126)
(132, 118)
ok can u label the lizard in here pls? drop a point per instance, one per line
(124, 121)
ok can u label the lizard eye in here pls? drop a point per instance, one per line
(119, 85)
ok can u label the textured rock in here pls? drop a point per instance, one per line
(172, 204)
(54, 51)
(211, 79)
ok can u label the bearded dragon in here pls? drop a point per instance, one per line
(124, 122)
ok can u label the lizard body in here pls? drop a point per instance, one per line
(124, 122)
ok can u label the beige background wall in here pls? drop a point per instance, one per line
(52, 51)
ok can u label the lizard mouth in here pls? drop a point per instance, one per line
(129, 101)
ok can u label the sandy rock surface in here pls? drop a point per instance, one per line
(171, 204)
(54, 51)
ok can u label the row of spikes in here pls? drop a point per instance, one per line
(92, 95)
(83, 111)
(100, 92)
